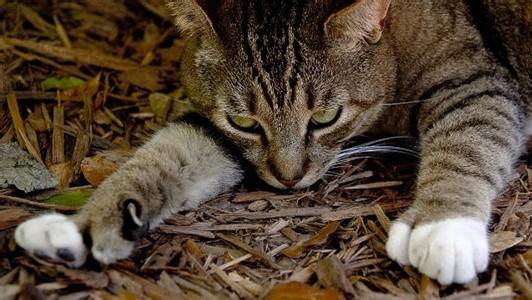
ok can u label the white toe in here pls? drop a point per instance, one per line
(397, 244)
(53, 237)
(451, 251)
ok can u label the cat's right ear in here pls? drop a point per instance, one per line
(191, 19)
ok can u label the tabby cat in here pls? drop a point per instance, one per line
(286, 84)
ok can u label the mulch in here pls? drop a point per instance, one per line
(82, 83)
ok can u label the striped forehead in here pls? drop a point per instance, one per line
(272, 47)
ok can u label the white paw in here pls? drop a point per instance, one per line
(397, 244)
(52, 238)
(451, 251)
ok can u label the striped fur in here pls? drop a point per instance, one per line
(456, 74)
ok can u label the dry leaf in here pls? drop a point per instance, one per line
(96, 168)
(22, 171)
(318, 239)
(148, 78)
(502, 240)
(160, 104)
(301, 291)
(83, 56)
(86, 90)
(11, 217)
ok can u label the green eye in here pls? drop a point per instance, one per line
(324, 118)
(244, 123)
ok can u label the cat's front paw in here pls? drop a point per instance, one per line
(451, 251)
(52, 238)
(112, 230)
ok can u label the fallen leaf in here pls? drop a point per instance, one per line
(84, 56)
(181, 105)
(86, 90)
(502, 240)
(75, 198)
(301, 291)
(11, 217)
(160, 104)
(318, 239)
(22, 170)
(62, 83)
(95, 169)
(148, 78)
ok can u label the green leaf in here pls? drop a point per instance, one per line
(75, 198)
(62, 83)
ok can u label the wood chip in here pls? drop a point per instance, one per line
(20, 130)
(256, 252)
(374, 185)
(253, 196)
(281, 213)
(243, 293)
(58, 136)
(11, 217)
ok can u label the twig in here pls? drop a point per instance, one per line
(38, 204)
(374, 185)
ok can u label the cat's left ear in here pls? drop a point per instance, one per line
(362, 20)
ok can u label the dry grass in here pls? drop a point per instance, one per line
(240, 245)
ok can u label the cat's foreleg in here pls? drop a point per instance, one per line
(178, 169)
(469, 145)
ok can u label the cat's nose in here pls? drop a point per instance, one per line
(291, 182)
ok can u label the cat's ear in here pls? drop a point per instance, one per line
(191, 18)
(363, 19)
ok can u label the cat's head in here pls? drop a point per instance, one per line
(288, 82)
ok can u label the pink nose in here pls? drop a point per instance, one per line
(289, 183)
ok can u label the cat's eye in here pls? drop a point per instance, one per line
(324, 118)
(245, 123)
